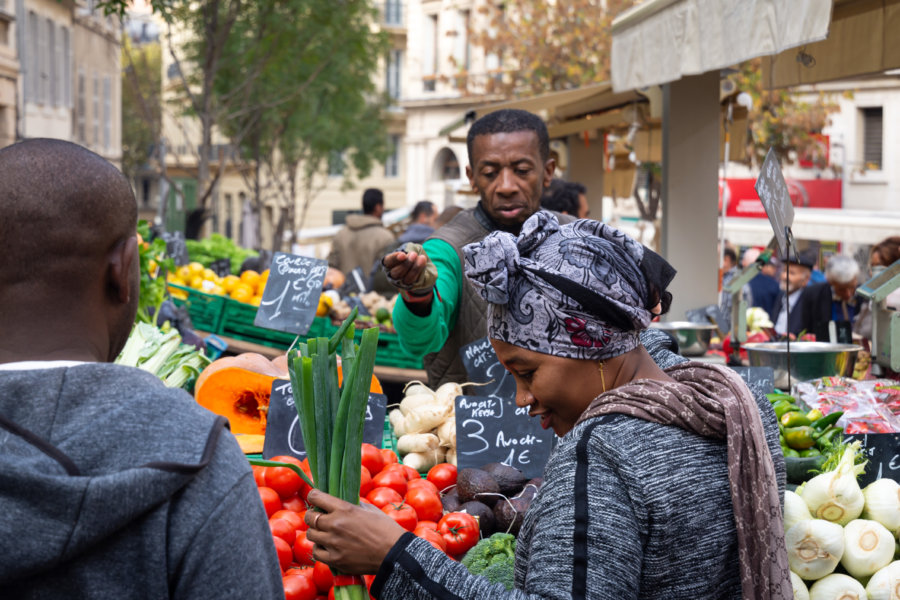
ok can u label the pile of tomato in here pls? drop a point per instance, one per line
(399, 491)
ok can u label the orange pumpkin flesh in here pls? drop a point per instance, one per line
(238, 388)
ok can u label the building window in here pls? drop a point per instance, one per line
(430, 60)
(335, 164)
(54, 57)
(46, 54)
(393, 13)
(107, 112)
(81, 111)
(32, 59)
(462, 51)
(393, 73)
(392, 164)
(873, 137)
(95, 102)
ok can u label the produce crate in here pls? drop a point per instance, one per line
(389, 353)
(388, 440)
(206, 310)
(237, 322)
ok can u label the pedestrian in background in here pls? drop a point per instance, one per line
(424, 215)
(360, 243)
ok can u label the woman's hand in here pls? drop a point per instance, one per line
(352, 539)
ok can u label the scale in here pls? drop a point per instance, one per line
(885, 320)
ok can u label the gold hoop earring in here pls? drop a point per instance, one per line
(602, 378)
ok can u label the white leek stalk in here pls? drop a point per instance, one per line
(868, 546)
(835, 496)
(837, 587)
(800, 591)
(795, 510)
(814, 548)
(883, 504)
(885, 584)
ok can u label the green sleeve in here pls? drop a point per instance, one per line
(422, 335)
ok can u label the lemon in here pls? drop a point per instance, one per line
(195, 268)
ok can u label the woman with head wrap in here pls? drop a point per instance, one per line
(662, 484)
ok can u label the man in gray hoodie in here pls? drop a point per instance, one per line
(111, 484)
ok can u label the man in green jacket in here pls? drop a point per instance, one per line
(509, 166)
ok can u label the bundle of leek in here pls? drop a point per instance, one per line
(332, 417)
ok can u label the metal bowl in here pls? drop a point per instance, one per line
(809, 360)
(693, 338)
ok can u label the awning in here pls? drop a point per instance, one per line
(863, 40)
(660, 41)
(826, 225)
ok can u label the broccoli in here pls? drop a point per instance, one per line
(493, 558)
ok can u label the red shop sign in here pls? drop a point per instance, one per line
(805, 193)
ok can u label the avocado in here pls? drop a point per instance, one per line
(509, 514)
(475, 484)
(485, 516)
(510, 479)
(450, 500)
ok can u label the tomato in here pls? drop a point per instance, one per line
(291, 517)
(389, 456)
(299, 587)
(323, 577)
(305, 571)
(403, 513)
(303, 549)
(392, 478)
(270, 499)
(428, 524)
(283, 529)
(295, 504)
(426, 503)
(372, 459)
(460, 531)
(443, 476)
(411, 474)
(382, 496)
(284, 552)
(259, 476)
(283, 480)
(365, 482)
(431, 536)
(417, 483)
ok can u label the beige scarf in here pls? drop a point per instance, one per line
(713, 401)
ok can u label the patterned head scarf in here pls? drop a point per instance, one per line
(574, 290)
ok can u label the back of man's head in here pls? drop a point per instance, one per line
(372, 199)
(841, 269)
(65, 214)
(422, 211)
(510, 120)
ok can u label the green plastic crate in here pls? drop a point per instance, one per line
(206, 310)
(237, 323)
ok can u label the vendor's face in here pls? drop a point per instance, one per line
(506, 169)
(798, 276)
(844, 291)
(555, 389)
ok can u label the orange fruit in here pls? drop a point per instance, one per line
(229, 282)
(242, 293)
(255, 300)
(251, 278)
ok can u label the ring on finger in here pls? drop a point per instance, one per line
(316, 520)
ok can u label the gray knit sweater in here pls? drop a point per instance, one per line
(653, 500)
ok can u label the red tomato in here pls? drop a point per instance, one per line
(295, 503)
(389, 456)
(392, 478)
(283, 480)
(270, 499)
(296, 570)
(417, 483)
(372, 459)
(299, 587)
(283, 529)
(303, 549)
(259, 475)
(382, 496)
(428, 524)
(460, 531)
(291, 517)
(411, 474)
(443, 476)
(431, 536)
(403, 513)
(323, 577)
(284, 552)
(426, 503)
(365, 482)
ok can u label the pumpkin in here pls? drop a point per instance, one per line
(238, 388)
(334, 279)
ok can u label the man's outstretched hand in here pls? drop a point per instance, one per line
(404, 269)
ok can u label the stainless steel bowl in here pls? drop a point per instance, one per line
(693, 338)
(809, 360)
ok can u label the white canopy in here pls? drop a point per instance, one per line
(660, 41)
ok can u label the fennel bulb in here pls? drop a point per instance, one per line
(883, 504)
(795, 510)
(800, 591)
(868, 546)
(814, 548)
(837, 587)
(885, 584)
(835, 495)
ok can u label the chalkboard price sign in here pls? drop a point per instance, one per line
(883, 453)
(283, 434)
(773, 193)
(490, 429)
(483, 366)
(292, 291)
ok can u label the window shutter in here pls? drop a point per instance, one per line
(873, 125)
